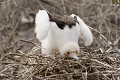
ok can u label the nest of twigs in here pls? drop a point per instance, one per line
(92, 65)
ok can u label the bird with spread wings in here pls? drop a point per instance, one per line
(61, 34)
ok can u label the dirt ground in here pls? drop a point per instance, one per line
(20, 57)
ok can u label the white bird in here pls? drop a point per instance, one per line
(61, 34)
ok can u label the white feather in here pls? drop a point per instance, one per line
(42, 24)
(64, 36)
(70, 45)
(85, 32)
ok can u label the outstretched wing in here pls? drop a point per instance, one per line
(42, 22)
(85, 32)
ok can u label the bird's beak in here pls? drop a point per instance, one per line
(73, 55)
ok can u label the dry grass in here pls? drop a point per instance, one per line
(20, 57)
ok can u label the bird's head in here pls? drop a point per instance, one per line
(70, 50)
(71, 54)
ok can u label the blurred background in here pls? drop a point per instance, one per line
(17, 22)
